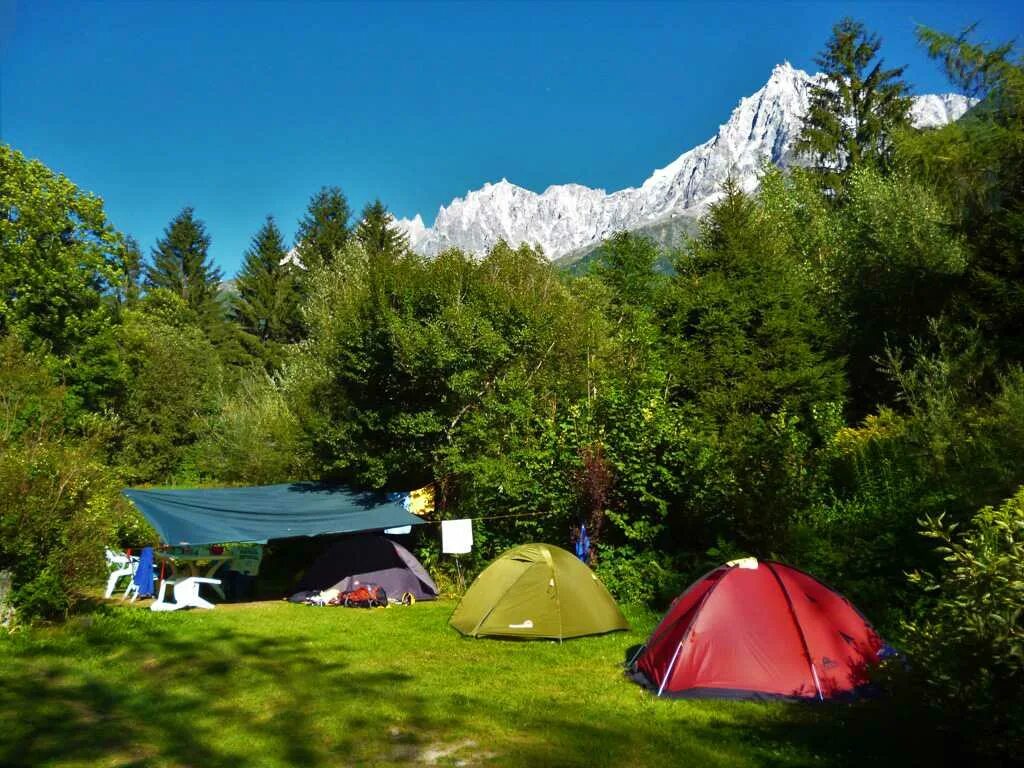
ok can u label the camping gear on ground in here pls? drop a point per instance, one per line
(752, 629)
(120, 564)
(326, 597)
(456, 537)
(364, 596)
(367, 559)
(217, 515)
(186, 594)
(537, 591)
(142, 580)
(360, 596)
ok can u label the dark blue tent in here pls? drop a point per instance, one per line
(368, 559)
(216, 515)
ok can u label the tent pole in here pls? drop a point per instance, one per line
(458, 570)
(671, 666)
(686, 634)
(799, 630)
(635, 656)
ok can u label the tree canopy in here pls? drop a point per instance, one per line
(266, 301)
(855, 110)
(325, 229)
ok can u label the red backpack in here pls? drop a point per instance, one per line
(364, 596)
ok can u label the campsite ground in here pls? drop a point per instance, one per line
(275, 684)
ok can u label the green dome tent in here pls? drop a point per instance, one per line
(537, 591)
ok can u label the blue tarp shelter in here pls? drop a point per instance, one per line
(257, 514)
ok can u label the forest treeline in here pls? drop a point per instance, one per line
(831, 375)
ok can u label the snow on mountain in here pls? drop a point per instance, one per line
(569, 217)
(292, 257)
(936, 109)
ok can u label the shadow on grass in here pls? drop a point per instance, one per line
(772, 735)
(173, 703)
(134, 689)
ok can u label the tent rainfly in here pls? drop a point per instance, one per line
(753, 630)
(537, 591)
(257, 514)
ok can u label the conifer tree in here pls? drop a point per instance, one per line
(976, 164)
(130, 263)
(743, 332)
(324, 230)
(629, 268)
(378, 233)
(267, 301)
(181, 264)
(854, 111)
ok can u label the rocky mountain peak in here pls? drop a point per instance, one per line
(567, 218)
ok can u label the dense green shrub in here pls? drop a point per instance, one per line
(634, 576)
(56, 257)
(174, 380)
(254, 438)
(59, 501)
(967, 645)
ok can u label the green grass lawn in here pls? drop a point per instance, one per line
(275, 684)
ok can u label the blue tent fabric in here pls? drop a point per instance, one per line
(143, 577)
(257, 514)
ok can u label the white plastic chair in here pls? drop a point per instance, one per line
(186, 594)
(121, 565)
(132, 588)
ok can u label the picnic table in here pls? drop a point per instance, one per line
(192, 564)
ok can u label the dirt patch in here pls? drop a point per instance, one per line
(462, 754)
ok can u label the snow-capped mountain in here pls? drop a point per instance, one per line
(566, 218)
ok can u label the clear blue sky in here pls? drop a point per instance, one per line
(244, 109)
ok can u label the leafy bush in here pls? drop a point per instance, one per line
(58, 250)
(967, 647)
(634, 576)
(175, 377)
(59, 503)
(254, 438)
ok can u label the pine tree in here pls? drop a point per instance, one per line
(853, 113)
(629, 267)
(743, 331)
(267, 303)
(378, 233)
(181, 264)
(977, 165)
(324, 230)
(130, 263)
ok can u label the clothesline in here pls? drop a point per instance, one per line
(493, 517)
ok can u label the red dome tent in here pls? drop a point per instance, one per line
(758, 630)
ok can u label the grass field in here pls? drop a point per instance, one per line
(275, 684)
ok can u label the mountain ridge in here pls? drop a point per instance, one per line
(567, 219)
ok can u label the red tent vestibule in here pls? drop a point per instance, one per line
(752, 629)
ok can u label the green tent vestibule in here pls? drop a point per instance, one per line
(537, 591)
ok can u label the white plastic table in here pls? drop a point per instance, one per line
(193, 565)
